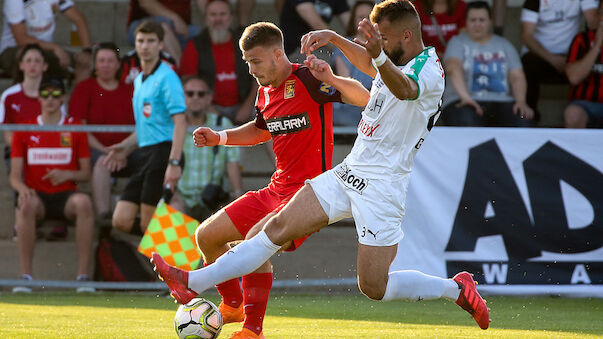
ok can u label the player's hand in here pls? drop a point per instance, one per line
(314, 40)
(172, 174)
(113, 164)
(472, 103)
(204, 136)
(524, 111)
(319, 68)
(371, 37)
(57, 176)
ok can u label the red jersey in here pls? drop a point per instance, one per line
(189, 60)
(180, 7)
(98, 106)
(16, 107)
(226, 92)
(449, 25)
(44, 151)
(299, 116)
(591, 88)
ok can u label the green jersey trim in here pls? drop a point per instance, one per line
(420, 61)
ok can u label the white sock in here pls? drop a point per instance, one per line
(416, 286)
(243, 259)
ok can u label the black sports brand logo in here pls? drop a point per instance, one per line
(289, 124)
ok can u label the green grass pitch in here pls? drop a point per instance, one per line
(130, 315)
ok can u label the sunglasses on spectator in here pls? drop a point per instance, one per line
(55, 94)
(201, 94)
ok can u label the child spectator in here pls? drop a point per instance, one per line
(45, 168)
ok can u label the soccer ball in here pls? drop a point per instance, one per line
(199, 318)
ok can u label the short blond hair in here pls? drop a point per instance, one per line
(261, 34)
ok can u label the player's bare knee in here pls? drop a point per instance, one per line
(371, 290)
(276, 229)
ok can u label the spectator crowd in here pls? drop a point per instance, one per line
(181, 75)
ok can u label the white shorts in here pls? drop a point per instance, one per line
(377, 205)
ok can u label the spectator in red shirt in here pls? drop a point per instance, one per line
(215, 55)
(45, 167)
(440, 21)
(19, 103)
(173, 15)
(584, 71)
(104, 100)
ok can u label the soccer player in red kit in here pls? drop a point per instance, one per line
(294, 109)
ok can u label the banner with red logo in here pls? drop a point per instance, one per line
(522, 209)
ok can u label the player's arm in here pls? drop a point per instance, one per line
(77, 18)
(174, 172)
(58, 176)
(352, 91)
(356, 53)
(580, 64)
(246, 135)
(401, 85)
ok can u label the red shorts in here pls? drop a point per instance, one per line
(253, 206)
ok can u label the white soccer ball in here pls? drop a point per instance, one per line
(199, 318)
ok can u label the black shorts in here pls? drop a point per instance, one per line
(146, 184)
(54, 204)
(132, 165)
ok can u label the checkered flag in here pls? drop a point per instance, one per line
(171, 233)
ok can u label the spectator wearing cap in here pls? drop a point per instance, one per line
(45, 170)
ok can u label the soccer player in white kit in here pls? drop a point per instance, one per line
(370, 184)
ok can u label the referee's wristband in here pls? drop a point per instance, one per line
(223, 138)
(381, 59)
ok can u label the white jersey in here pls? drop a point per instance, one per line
(38, 16)
(392, 130)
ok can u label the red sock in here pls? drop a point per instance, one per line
(256, 289)
(230, 291)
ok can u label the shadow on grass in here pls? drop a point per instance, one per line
(524, 313)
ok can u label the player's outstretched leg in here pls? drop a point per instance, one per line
(470, 300)
(175, 278)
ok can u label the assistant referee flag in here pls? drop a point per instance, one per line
(171, 233)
